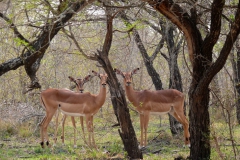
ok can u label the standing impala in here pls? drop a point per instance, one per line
(79, 85)
(73, 104)
(155, 102)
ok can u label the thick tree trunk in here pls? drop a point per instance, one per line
(199, 125)
(119, 102)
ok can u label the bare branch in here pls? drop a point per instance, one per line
(14, 28)
(154, 27)
(221, 60)
(50, 7)
(77, 45)
(157, 50)
(212, 37)
(165, 56)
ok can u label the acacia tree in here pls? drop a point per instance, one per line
(200, 48)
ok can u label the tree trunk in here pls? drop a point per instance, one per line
(199, 125)
(175, 76)
(119, 102)
(237, 86)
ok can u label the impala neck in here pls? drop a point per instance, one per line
(131, 94)
(101, 95)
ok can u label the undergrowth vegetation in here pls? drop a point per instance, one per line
(21, 140)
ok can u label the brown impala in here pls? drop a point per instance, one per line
(155, 102)
(79, 85)
(73, 104)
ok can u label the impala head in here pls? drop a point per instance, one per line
(80, 82)
(103, 77)
(127, 76)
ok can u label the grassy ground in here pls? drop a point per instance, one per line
(22, 142)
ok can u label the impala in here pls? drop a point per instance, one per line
(155, 102)
(79, 85)
(72, 104)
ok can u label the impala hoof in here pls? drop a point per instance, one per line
(187, 146)
(141, 147)
(42, 144)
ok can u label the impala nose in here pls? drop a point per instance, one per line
(81, 90)
(104, 84)
(128, 83)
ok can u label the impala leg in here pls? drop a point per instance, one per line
(74, 125)
(63, 124)
(45, 126)
(92, 131)
(56, 128)
(186, 129)
(183, 120)
(88, 122)
(82, 125)
(146, 120)
(142, 128)
(41, 132)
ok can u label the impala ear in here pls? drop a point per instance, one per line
(95, 73)
(71, 79)
(118, 71)
(87, 78)
(135, 71)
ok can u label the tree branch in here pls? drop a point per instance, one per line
(221, 60)
(77, 44)
(50, 7)
(212, 37)
(31, 59)
(14, 28)
(157, 50)
(182, 19)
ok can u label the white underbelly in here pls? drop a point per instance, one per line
(158, 113)
(72, 114)
(161, 113)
